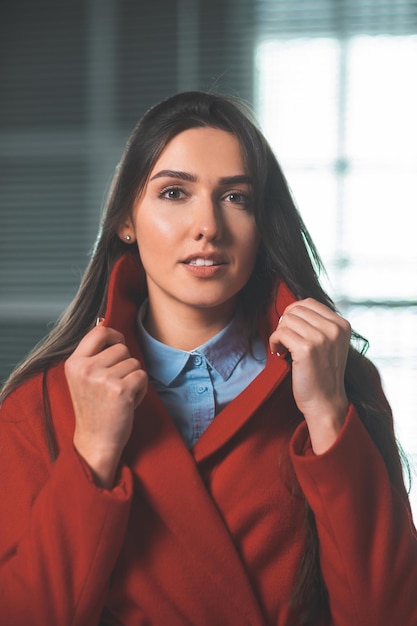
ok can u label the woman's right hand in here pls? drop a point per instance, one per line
(106, 385)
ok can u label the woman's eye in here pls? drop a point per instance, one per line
(238, 197)
(172, 193)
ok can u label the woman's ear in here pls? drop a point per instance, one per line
(126, 232)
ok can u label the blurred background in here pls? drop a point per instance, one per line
(333, 84)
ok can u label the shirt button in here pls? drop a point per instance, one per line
(201, 389)
(197, 360)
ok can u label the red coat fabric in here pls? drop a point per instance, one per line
(207, 537)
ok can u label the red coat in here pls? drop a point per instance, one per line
(207, 537)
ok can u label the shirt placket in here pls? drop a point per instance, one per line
(202, 395)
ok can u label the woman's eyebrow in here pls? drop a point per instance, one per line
(242, 179)
(175, 174)
(226, 180)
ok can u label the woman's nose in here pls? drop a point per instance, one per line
(207, 220)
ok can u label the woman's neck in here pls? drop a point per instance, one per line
(186, 329)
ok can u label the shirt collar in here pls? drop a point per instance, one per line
(223, 351)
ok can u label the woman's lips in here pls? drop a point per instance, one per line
(204, 266)
(204, 259)
(203, 262)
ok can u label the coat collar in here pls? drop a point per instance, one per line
(127, 290)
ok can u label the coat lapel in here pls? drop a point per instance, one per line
(168, 471)
(174, 489)
(244, 407)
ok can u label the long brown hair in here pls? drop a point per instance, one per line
(286, 250)
(286, 253)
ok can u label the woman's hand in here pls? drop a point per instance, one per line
(318, 341)
(106, 385)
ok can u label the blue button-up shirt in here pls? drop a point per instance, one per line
(194, 386)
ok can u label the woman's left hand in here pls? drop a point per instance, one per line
(318, 341)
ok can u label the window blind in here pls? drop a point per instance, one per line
(336, 18)
(74, 79)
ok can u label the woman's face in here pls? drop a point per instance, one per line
(194, 224)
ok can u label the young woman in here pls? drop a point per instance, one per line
(197, 442)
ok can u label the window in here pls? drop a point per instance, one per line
(336, 96)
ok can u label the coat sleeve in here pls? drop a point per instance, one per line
(368, 544)
(60, 534)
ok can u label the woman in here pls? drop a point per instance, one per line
(197, 442)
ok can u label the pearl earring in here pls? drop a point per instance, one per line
(128, 237)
